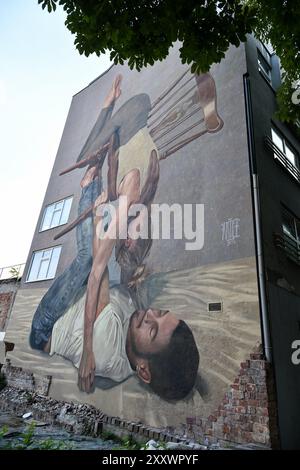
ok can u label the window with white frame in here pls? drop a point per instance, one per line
(44, 264)
(282, 144)
(264, 62)
(264, 67)
(56, 214)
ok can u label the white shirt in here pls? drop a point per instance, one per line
(109, 335)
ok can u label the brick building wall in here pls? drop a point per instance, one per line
(248, 412)
(8, 289)
(246, 416)
(5, 303)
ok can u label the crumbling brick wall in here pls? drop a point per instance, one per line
(248, 412)
(23, 379)
(8, 289)
(6, 300)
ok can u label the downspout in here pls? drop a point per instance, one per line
(265, 325)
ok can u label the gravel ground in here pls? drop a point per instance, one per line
(13, 430)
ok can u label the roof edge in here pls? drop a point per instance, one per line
(95, 79)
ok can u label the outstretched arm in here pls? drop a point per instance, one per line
(130, 189)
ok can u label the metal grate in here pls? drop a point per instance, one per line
(282, 159)
(289, 245)
(214, 307)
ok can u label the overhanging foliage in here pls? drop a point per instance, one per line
(142, 32)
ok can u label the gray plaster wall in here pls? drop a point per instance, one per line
(212, 170)
(225, 339)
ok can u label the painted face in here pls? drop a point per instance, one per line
(151, 330)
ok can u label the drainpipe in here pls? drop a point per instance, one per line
(265, 325)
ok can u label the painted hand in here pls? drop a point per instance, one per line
(114, 92)
(86, 372)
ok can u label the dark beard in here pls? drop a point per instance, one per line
(131, 340)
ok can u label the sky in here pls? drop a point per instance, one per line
(40, 71)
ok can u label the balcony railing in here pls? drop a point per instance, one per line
(12, 272)
(289, 245)
(282, 159)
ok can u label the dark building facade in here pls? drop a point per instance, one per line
(275, 151)
(229, 268)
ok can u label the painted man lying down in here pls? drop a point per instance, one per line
(154, 344)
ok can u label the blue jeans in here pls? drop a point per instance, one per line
(65, 288)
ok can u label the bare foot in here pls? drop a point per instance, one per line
(114, 92)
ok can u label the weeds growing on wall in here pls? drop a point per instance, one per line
(29, 441)
(127, 442)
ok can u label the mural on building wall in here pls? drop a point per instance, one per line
(141, 327)
(102, 331)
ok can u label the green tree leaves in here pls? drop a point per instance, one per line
(142, 32)
(278, 22)
(50, 4)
